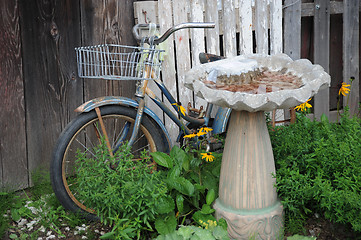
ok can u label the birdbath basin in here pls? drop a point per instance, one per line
(250, 85)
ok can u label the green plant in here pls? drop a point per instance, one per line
(120, 188)
(192, 182)
(318, 170)
(209, 230)
(6, 200)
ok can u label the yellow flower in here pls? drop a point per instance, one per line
(303, 107)
(344, 90)
(180, 108)
(206, 129)
(208, 156)
(200, 133)
(192, 135)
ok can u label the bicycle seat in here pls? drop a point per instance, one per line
(207, 57)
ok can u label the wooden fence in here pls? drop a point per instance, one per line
(232, 36)
(39, 87)
(256, 26)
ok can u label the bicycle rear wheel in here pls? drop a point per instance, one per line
(83, 134)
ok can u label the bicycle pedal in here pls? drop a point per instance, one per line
(194, 112)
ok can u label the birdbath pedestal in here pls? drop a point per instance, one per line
(250, 85)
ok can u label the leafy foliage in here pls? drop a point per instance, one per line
(319, 170)
(121, 188)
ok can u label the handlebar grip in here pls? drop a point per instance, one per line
(140, 26)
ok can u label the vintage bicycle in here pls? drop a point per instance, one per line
(119, 120)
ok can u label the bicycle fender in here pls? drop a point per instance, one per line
(221, 120)
(115, 100)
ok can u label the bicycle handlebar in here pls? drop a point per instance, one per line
(171, 30)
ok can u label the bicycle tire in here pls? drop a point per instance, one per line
(79, 133)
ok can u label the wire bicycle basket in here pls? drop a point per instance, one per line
(118, 62)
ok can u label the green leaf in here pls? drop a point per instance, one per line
(197, 216)
(220, 233)
(182, 185)
(324, 118)
(13, 236)
(222, 223)
(108, 235)
(165, 205)
(185, 165)
(174, 172)
(187, 231)
(206, 209)
(179, 155)
(179, 202)
(211, 195)
(167, 225)
(15, 214)
(162, 159)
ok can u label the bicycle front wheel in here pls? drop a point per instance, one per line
(83, 134)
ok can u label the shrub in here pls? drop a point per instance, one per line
(319, 170)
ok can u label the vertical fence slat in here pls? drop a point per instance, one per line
(13, 161)
(276, 26)
(261, 26)
(197, 39)
(245, 22)
(351, 46)
(321, 52)
(182, 50)
(292, 29)
(212, 35)
(147, 12)
(168, 69)
(229, 28)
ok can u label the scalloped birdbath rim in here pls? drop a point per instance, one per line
(313, 77)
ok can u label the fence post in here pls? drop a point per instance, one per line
(351, 46)
(321, 52)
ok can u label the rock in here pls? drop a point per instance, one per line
(22, 222)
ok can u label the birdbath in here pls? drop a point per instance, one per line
(250, 85)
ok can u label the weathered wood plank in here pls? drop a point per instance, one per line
(102, 22)
(292, 29)
(168, 71)
(276, 26)
(351, 44)
(50, 31)
(261, 27)
(197, 40)
(147, 12)
(180, 10)
(229, 29)
(245, 24)
(212, 35)
(336, 7)
(13, 162)
(322, 52)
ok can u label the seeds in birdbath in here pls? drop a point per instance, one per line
(256, 82)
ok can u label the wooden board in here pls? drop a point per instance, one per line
(245, 23)
(168, 69)
(292, 29)
(351, 44)
(107, 22)
(197, 41)
(147, 12)
(322, 52)
(52, 89)
(13, 164)
(261, 27)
